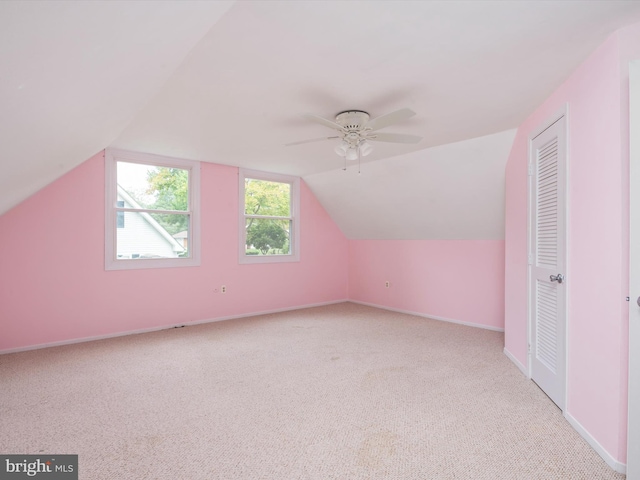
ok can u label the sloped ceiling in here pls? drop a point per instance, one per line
(226, 82)
(74, 74)
(453, 191)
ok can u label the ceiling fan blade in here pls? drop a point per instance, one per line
(322, 121)
(394, 138)
(309, 141)
(390, 118)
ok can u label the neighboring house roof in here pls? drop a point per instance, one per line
(166, 235)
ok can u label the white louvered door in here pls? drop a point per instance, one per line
(547, 261)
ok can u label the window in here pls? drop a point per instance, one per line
(151, 211)
(269, 217)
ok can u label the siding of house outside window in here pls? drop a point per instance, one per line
(141, 238)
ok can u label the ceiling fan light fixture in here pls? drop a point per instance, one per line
(365, 148)
(342, 148)
(352, 153)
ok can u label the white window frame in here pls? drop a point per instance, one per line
(294, 240)
(111, 262)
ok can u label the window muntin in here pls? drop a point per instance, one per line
(269, 227)
(152, 219)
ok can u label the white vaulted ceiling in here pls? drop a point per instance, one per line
(74, 74)
(226, 82)
(453, 191)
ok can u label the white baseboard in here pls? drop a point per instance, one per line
(606, 456)
(164, 327)
(517, 363)
(425, 315)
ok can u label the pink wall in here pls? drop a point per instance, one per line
(460, 280)
(53, 285)
(598, 242)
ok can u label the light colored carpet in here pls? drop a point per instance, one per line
(337, 392)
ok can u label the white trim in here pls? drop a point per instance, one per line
(633, 377)
(166, 327)
(294, 240)
(567, 256)
(530, 256)
(600, 450)
(516, 362)
(110, 231)
(432, 317)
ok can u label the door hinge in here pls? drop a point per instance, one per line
(530, 169)
(530, 259)
(529, 348)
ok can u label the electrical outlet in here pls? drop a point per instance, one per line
(387, 283)
(223, 289)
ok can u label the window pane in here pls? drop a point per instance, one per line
(120, 215)
(268, 237)
(267, 198)
(148, 186)
(153, 236)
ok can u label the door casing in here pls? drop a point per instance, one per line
(633, 419)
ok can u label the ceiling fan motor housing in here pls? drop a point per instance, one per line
(353, 124)
(352, 119)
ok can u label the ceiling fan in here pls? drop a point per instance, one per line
(356, 129)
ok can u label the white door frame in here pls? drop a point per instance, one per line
(633, 430)
(562, 112)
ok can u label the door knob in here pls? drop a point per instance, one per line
(639, 301)
(559, 278)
